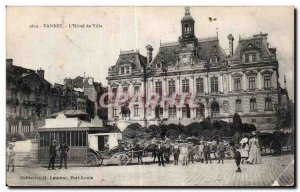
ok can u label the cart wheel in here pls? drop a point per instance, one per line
(90, 159)
(197, 157)
(99, 161)
(123, 159)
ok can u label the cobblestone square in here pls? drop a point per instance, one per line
(274, 169)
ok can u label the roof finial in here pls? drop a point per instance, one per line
(217, 33)
(187, 11)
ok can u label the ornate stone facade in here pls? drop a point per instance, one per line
(243, 82)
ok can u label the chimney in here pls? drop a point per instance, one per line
(149, 53)
(230, 38)
(9, 62)
(40, 72)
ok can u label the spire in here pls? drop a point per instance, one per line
(284, 82)
(187, 11)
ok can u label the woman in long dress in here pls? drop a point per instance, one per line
(254, 152)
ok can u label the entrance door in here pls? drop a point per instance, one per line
(101, 143)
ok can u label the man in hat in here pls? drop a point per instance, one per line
(221, 150)
(237, 157)
(11, 160)
(184, 152)
(63, 149)
(200, 152)
(176, 152)
(206, 151)
(160, 150)
(190, 152)
(52, 154)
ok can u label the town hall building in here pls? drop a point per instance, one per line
(245, 81)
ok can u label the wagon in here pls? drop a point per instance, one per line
(106, 148)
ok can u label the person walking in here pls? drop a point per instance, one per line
(52, 154)
(237, 157)
(184, 152)
(206, 151)
(190, 152)
(200, 152)
(11, 157)
(168, 150)
(245, 149)
(254, 152)
(160, 150)
(221, 149)
(176, 152)
(63, 149)
(139, 151)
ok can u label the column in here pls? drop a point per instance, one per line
(192, 90)
(259, 81)
(274, 79)
(221, 83)
(206, 84)
(178, 84)
(229, 82)
(244, 81)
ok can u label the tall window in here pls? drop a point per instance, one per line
(158, 87)
(214, 84)
(136, 110)
(237, 84)
(114, 92)
(247, 57)
(122, 70)
(171, 87)
(268, 104)
(254, 57)
(125, 90)
(186, 112)
(127, 69)
(252, 104)
(185, 85)
(252, 84)
(172, 112)
(136, 90)
(238, 105)
(267, 82)
(199, 85)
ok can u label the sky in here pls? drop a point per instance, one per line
(70, 52)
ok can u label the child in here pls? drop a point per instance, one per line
(237, 157)
(184, 152)
(11, 160)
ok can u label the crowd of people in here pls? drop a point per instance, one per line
(245, 152)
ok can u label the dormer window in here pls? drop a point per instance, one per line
(158, 65)
(122, 71)
(250, 57)
(214, 59)
(127, 70)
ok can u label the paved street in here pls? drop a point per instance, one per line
(196, 174)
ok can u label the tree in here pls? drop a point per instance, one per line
(132, 131)
(194, 129)
(237, 122)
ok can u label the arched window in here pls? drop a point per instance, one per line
(215, 109)
(187, 29)
(238, 105)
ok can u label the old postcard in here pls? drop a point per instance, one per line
(150, 96)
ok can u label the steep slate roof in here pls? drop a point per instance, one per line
(258, 41)
(130, 57)
(205, 49)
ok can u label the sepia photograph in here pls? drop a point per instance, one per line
(150, 96)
